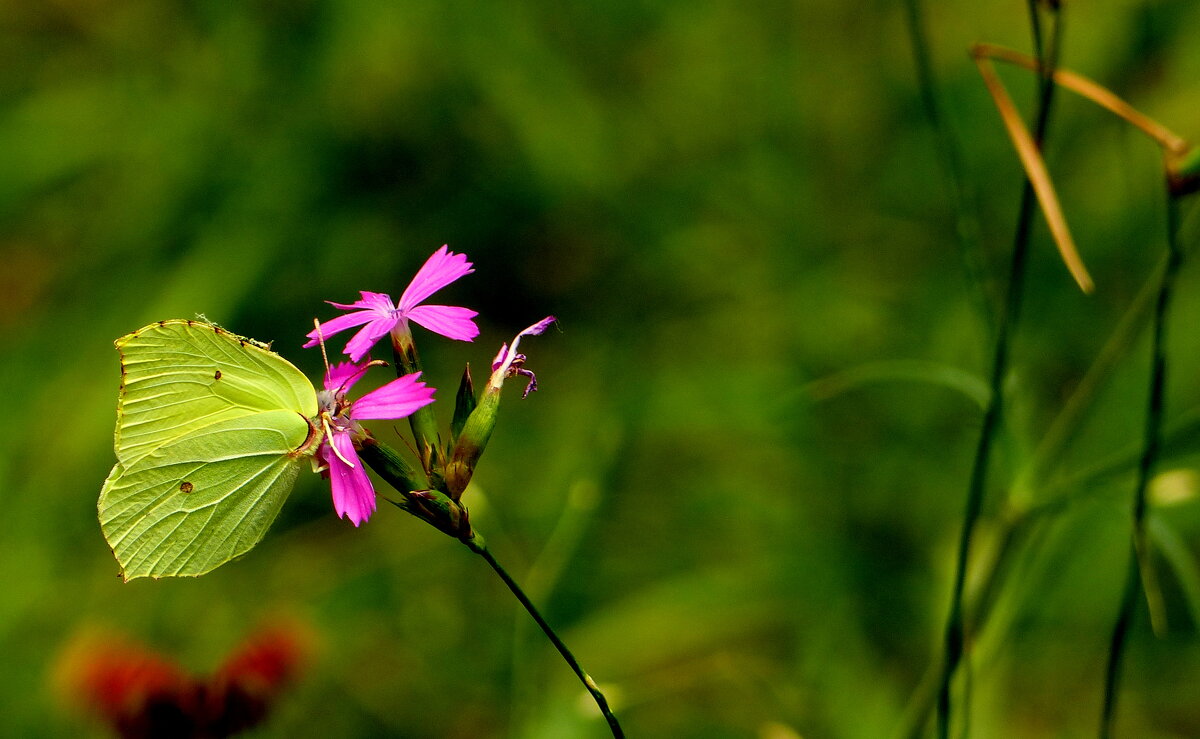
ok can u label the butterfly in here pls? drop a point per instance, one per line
(212, 430)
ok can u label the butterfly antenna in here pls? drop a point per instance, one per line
(329, 435)
(321, 341)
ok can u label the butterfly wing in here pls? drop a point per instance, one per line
(211, 432)
(177, 376)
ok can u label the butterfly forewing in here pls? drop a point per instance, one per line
(179, 376)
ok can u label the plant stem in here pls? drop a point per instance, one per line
(422, 421)
(962, 195)
(478, 546)
(1155, 406)
(955, 627)
(1063, 428)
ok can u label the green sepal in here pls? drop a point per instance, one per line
(422, 421)
(464, 403)
(431, 506)
(471, 442)
(437, 509)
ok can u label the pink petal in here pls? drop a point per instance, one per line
(353, 494)
(398, 399)
(362, 342)
(508, 354)
(377, 302)
(438, 271)
(539, 327)
(337, 325)
(448, 320)
(341, 377)
(502, 357)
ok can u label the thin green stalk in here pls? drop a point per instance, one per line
(543, 573)
(452, 519)
(1010, 538)
(1065, 425)
(962, 195)
(1017, 523)
(1155, 407)
(422, 421)
(954, 640)
(478, 546)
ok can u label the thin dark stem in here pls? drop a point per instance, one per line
(448, 516)
(954, 642)
(478, 546)
(1014, 535)
(962, 195)
(1155, 407)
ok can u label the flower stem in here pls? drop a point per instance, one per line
(477, 545)
(954, 641)
(422, 421)
(1155, 406)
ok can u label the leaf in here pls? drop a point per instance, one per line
(971, 386)
(211, 432)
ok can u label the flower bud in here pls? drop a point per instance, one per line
(438, 510)
(464, 404)
(477, 430)
(471, 442)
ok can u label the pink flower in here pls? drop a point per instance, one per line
(380, 316)
(509, 363)
(353, 494)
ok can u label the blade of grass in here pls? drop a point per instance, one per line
(968, 384)
(1155, 408)
(954, 638)
(543, 574)
(1066, 423)
(1181, 561)
(962, 195)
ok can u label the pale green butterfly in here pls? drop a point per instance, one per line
(212, 430)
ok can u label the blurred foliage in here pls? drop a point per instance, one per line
(727, 205)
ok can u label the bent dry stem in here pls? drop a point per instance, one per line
(477, 545)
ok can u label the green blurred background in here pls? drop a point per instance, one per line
(738, 490)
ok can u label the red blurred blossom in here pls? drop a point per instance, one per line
(142, 695)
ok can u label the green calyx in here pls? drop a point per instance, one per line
(469, 446)
(432, 506)
(423, 422)
(464, 404)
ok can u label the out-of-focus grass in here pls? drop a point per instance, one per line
(723, 203)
